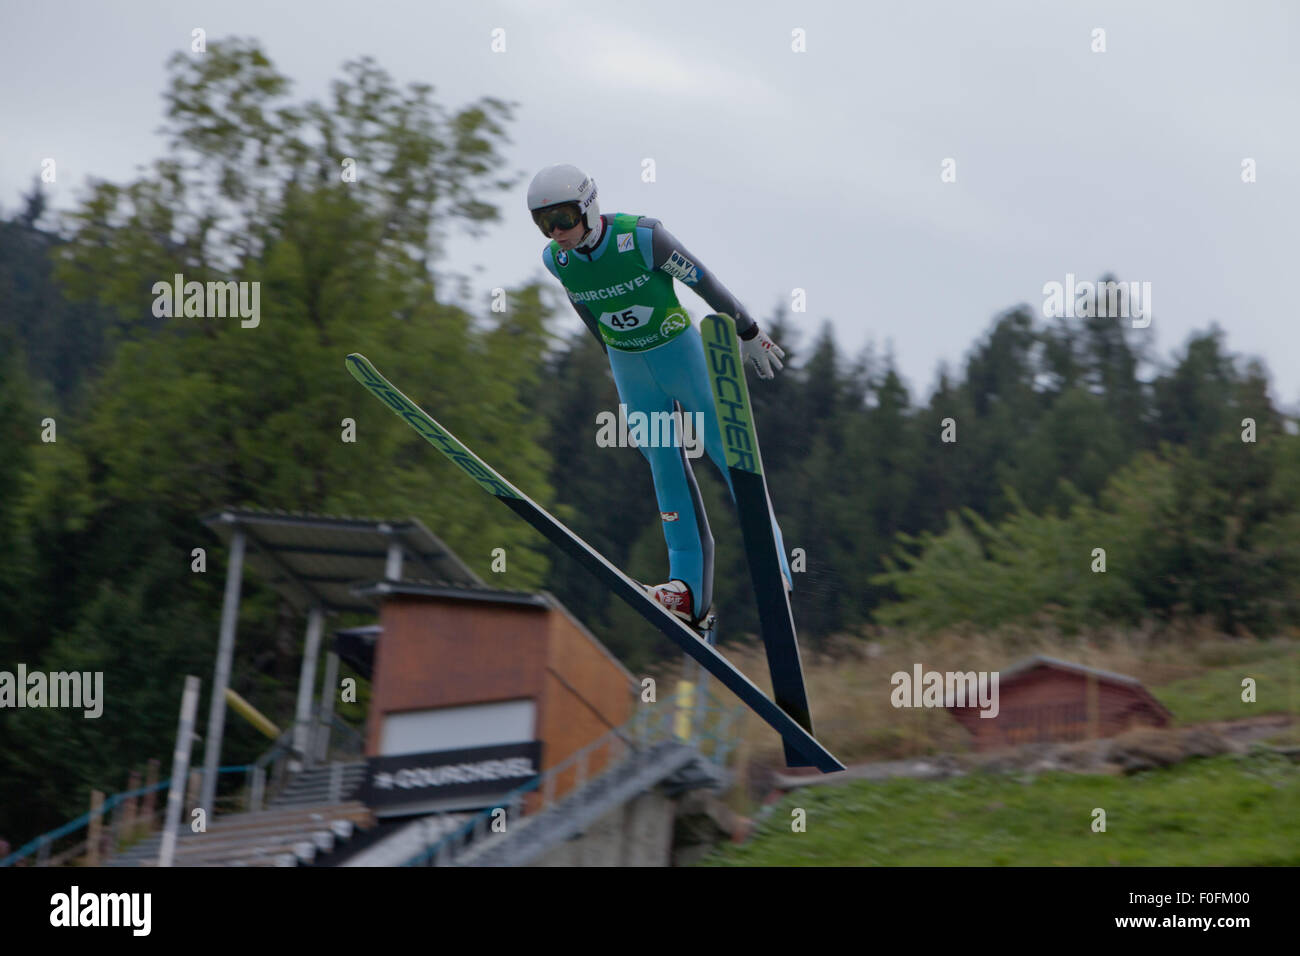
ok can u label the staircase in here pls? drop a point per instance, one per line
(282, 836)
(331, 783)
(314, 812)
(669, 762)
(652, 751)
(671, 765)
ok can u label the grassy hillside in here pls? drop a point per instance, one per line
(1197, 676)
(1222, 811)
(1215, 694)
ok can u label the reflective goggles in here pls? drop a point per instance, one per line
(562, 216)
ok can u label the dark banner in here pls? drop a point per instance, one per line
(1094, 902)
(439, 774)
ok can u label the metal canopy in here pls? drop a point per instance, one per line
(382, 589)
(316, 560)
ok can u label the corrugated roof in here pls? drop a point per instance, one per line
(439, 589)
(1042, 659)
(312, 559)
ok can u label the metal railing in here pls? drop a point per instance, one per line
(687, 720)
(272, 771)
(135, 816)
(131, 822)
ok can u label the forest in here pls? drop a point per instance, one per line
(1061, 473)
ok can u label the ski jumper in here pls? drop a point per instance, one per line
(622, 289)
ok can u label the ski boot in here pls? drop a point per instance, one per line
(675, 597)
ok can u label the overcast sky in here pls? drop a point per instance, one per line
(818, 170)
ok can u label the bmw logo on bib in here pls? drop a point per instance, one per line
(562, 258)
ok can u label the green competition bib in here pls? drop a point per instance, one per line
(636, 307)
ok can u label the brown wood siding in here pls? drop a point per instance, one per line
(567, 726)
(1047, 704)
(587, 668)
(585, 696)
(443, 653)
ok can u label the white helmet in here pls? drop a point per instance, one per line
(564, 193)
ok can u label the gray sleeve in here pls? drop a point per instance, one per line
(591, 322)
(672, 257)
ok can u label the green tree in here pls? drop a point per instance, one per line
(194, 413)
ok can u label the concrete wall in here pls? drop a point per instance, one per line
(638, 833)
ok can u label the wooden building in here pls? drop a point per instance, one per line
(1047, 699)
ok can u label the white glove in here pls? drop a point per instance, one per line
(764, 353)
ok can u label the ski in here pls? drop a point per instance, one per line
(754, 505)
(794, 735)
